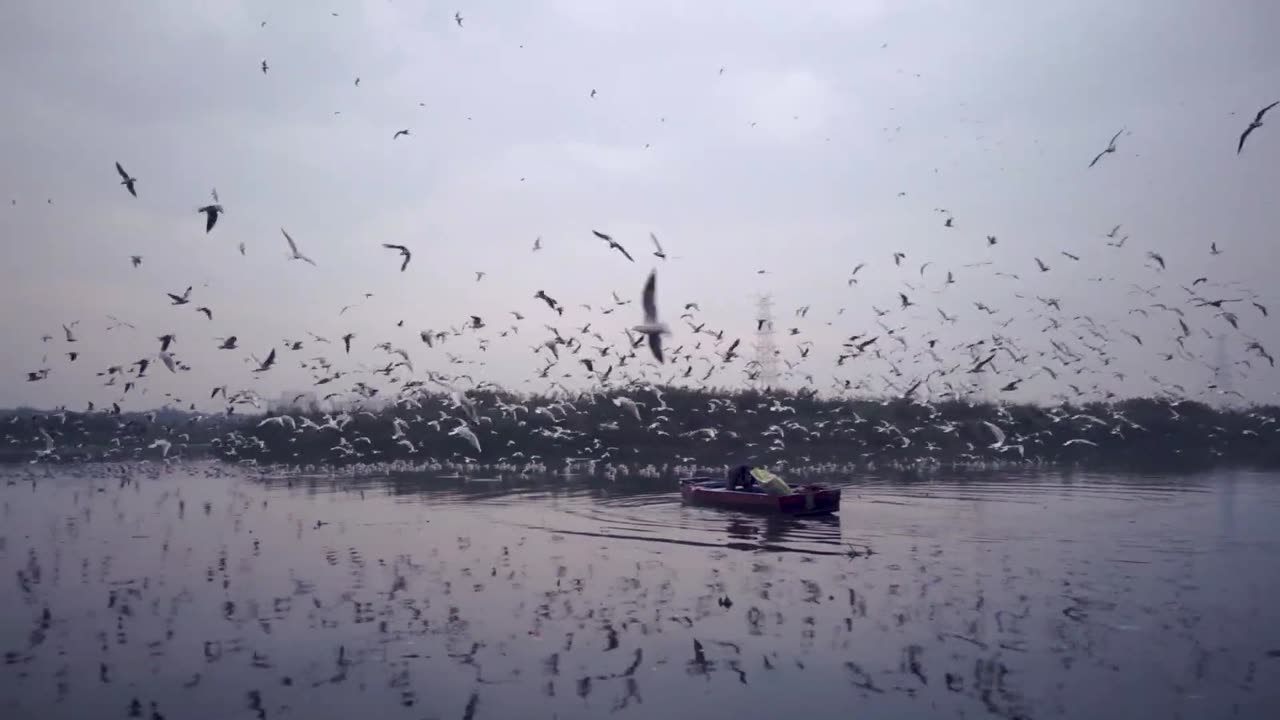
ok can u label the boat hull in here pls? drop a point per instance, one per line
(806, 500)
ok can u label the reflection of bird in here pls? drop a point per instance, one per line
(651, 326)
(613, 245)
(127, 181)
(404, 253)
(293, 249)
(1257, 123)
(1111, 147)
(211, 213)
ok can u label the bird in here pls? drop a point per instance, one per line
(465, 432)
(537, 243)
(1257, 123)
(126, 180)
(264, 67)
(1042, 266)
(207, 312)
(457, 17)
(657, 253)
(404, 253)
(480, 275)
(1156, 257)
(593, 92)
(265, 365)
(211, 213)
(1111, 147)
(136, 260)
(613, 245)
(651, 326)
(399, 133)
(228, 343)
(182, 299)
(1213, 249)
(293, 250)
(991, 240)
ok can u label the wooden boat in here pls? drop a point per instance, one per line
(805, 500)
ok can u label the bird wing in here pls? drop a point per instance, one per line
(655, 345)
(1243, 136)
(1097, 158)
(125, 175)
(1264, 110)
(1114, 138)
(648, 300)
(293, 247)
(602, 236)
(622, 250)
(655, 242)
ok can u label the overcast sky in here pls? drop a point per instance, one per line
(746, 135)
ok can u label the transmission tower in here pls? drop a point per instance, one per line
(766, 348)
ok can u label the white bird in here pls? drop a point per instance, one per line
(651, 327)
(997, 432)
(167, 359)
(465, 433)
(630, 405)
(164, 446)
(293, 249)
(1079, 441)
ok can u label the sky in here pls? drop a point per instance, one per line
(800, 138)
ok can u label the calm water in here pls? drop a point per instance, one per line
(201, 593)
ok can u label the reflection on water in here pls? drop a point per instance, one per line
(199, 592)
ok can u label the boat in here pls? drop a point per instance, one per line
(803, 500)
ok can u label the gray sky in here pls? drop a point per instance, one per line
(792, 159)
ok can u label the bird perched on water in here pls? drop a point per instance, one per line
(126, 180)
(652, 327)
(1111, 147)
(404, 253)
(211, 213)
(1257, 123)
(613, 245)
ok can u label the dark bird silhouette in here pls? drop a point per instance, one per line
(136, 260)
(1111, 147)
(207, 312)
(126, 180)
(1041, 265)
(182, 299)
(457, 17)
(211, 213)
(346, 341)
(404, 253)
(613, 245)
(264, 67)
(1257, 123)
(399, 133)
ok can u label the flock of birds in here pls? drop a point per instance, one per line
(902, 356)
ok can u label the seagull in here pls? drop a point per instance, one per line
(1156, 256)
(465, 432)
(1257, 123)
(228, 343)
(293, 250)
(1111, 147)
(1213, 249)
(399, 133)
(1043, 267)
(207, 312)
(537, 243)
(995, 430)
(479, 275)
(211, 213)
(126, 180)
(264, 67)
(70, 337)
(404, 253)
(457, 17)
(657, 253)
(651, 326)
(613, 245)
(136, 260)
(182, 299)
(1079, 441)
(265, 365)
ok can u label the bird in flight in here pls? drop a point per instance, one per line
(182, 299)
(211, 213)
(1111, 147)
(264, 67)
(651, 326)
(126, 180)
(613, 244)
(1213, 249)
(1257, 123)
(404, 253)
(136, 260)
(293, 249)
(537, 243)
(1042, 266)
(659, 252)
(457, 17)
(399, 133)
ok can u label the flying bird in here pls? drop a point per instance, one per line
(399, 133)
(211, 213)
(182, 299)
(657, 253)
(613, 245)
(537, 243)
(136, 260)
(126, 180)
(457, 17)
(207, 312)
(651, 326)
(1111, 147)
(1257, 123)
(404, 253)
(264, 67)
(1042, 266)
(293, 250)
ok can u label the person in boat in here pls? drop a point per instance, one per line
(746, 478)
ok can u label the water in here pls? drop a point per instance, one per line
(201, 592)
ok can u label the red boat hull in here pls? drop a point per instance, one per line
(806, 500)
